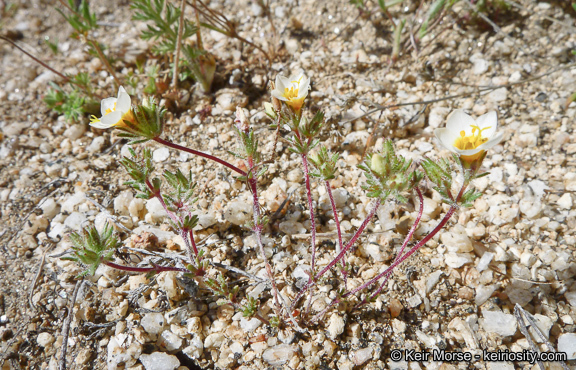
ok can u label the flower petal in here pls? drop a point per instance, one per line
(304, 87)
(460, 121)
(108, 103)
(494, 140)
(111, 119)
(282, 83)
(446, 137)
(278, 95)
(99, 124)
(124, 102)
(489, 119)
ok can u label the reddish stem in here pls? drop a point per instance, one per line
(340, 255)
(155, 268)
(201, 154)
(338, 229)
(312, 223)
(408, 237)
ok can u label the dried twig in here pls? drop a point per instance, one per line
(37, 277)
(520, 314)
(66, 327)
(178, 46)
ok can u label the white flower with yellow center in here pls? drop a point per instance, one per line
(292, 90)
(467, 137)
(114, 111)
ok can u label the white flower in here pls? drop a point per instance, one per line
(292, 90)
(467, 137)
(114, 111)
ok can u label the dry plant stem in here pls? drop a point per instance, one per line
(201, 154)
(178, 43)
(66, 327)
(66, 79)
(408, 237)
(106, 63)
(340, 255)
(145, 270)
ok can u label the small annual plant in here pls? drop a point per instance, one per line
(388, 177)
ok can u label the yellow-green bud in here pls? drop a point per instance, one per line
(378, 164)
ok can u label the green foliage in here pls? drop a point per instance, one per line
(388, 174)
(202, 65)
(73, 104)
(433, 11)
(90, 248)
(324, 164)
(81, 20)
(149, 123)
(164, 28)
(304, 130)
(139, 168)
(201, 265)
(220, 287)
(52, 45)
(440, 174)
(469, 197)
(250, 308)
(182, 190)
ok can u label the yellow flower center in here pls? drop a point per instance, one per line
(473, 141)
(292, 92)
(108, 111)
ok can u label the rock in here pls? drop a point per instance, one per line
(159, 361)
(483, 293)
(456, 240)
(205, 220)
(361, 356)
(153, 323)
(155, 210)
(456, 260)
(565, 201)
(214, 340)
(122, 202)
(498, 95)
(45, 339)
(195, 349)
(291, 227)
(73, 201)
(335, 326)
(75, 221)
(238, 213)
(75, 132)
(119, 356)
(480, 65)
(169, 341)
(567, 344)
(484, 261)
(96, 145)
(538, 187)
(249, 325)
(432, 280)
(498, 322)
(229, 99)
(161, 154)
(279, 355)
(571, 297)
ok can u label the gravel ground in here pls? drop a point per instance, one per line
(514, 248)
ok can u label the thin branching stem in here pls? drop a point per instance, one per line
(106, 62)
(406, 240)
(201, 154)
(339, 246)
(312, 224)
(145, 270)
(340, 255)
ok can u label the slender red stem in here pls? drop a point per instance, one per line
(406, 240)
(200, 154)
(155, 268)
(338, 229)
(340, 255)
(312, 224)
